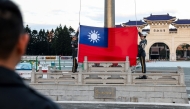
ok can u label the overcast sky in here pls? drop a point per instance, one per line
(48, 14)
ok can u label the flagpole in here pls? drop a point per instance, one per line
(78, 41)
(79, 12)
(79, 31)
(135, 12)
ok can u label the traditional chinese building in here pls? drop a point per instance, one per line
(162, 40)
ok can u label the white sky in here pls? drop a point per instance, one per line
(48, 14)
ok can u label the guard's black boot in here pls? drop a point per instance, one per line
(142, 77)
(76, 70)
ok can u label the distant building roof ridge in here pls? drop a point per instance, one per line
(182, 21)
(159, 17)
(118, 26)
(135, 22)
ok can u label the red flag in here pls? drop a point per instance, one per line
(108, 44)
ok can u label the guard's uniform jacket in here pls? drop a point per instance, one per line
(141, 47)
(74, 46)
(14, 94)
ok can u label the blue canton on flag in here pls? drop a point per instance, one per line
(93, 36)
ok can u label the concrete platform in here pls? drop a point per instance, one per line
(123, 93)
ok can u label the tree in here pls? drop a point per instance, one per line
(61, 41)
(35, 33)
(42, 44)
(54, 42)
(50, 36)
(67, 39)
(29, 47)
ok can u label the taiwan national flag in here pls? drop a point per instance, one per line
(108, 44)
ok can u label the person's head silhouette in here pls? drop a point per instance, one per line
(13, 40)
(14, 93)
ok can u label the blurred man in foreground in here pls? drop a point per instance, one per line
(14, 94)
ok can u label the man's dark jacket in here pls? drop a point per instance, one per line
(14, 94)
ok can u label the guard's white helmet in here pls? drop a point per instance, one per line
(144, 33)
(72, 34)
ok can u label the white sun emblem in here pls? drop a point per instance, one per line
(94, 36)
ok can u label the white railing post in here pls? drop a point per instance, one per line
(33, 77)
(40, 70)
(85, 64)
(127, 64)
(54, 68)
(79, 78)
(129, 77)
(128, 70)
(181, 78)
(48, 71)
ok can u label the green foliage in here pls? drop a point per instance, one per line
(54, 42)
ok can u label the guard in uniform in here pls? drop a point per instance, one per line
(74, 45)
(141, 53)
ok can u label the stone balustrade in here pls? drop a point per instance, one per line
(113, 72)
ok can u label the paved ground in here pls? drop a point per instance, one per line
(168, 64)
(119, 106)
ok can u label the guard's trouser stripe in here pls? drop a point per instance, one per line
(73, 70)
(75, 65)
(142, 59)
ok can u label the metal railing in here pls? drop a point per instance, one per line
(61, 62)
